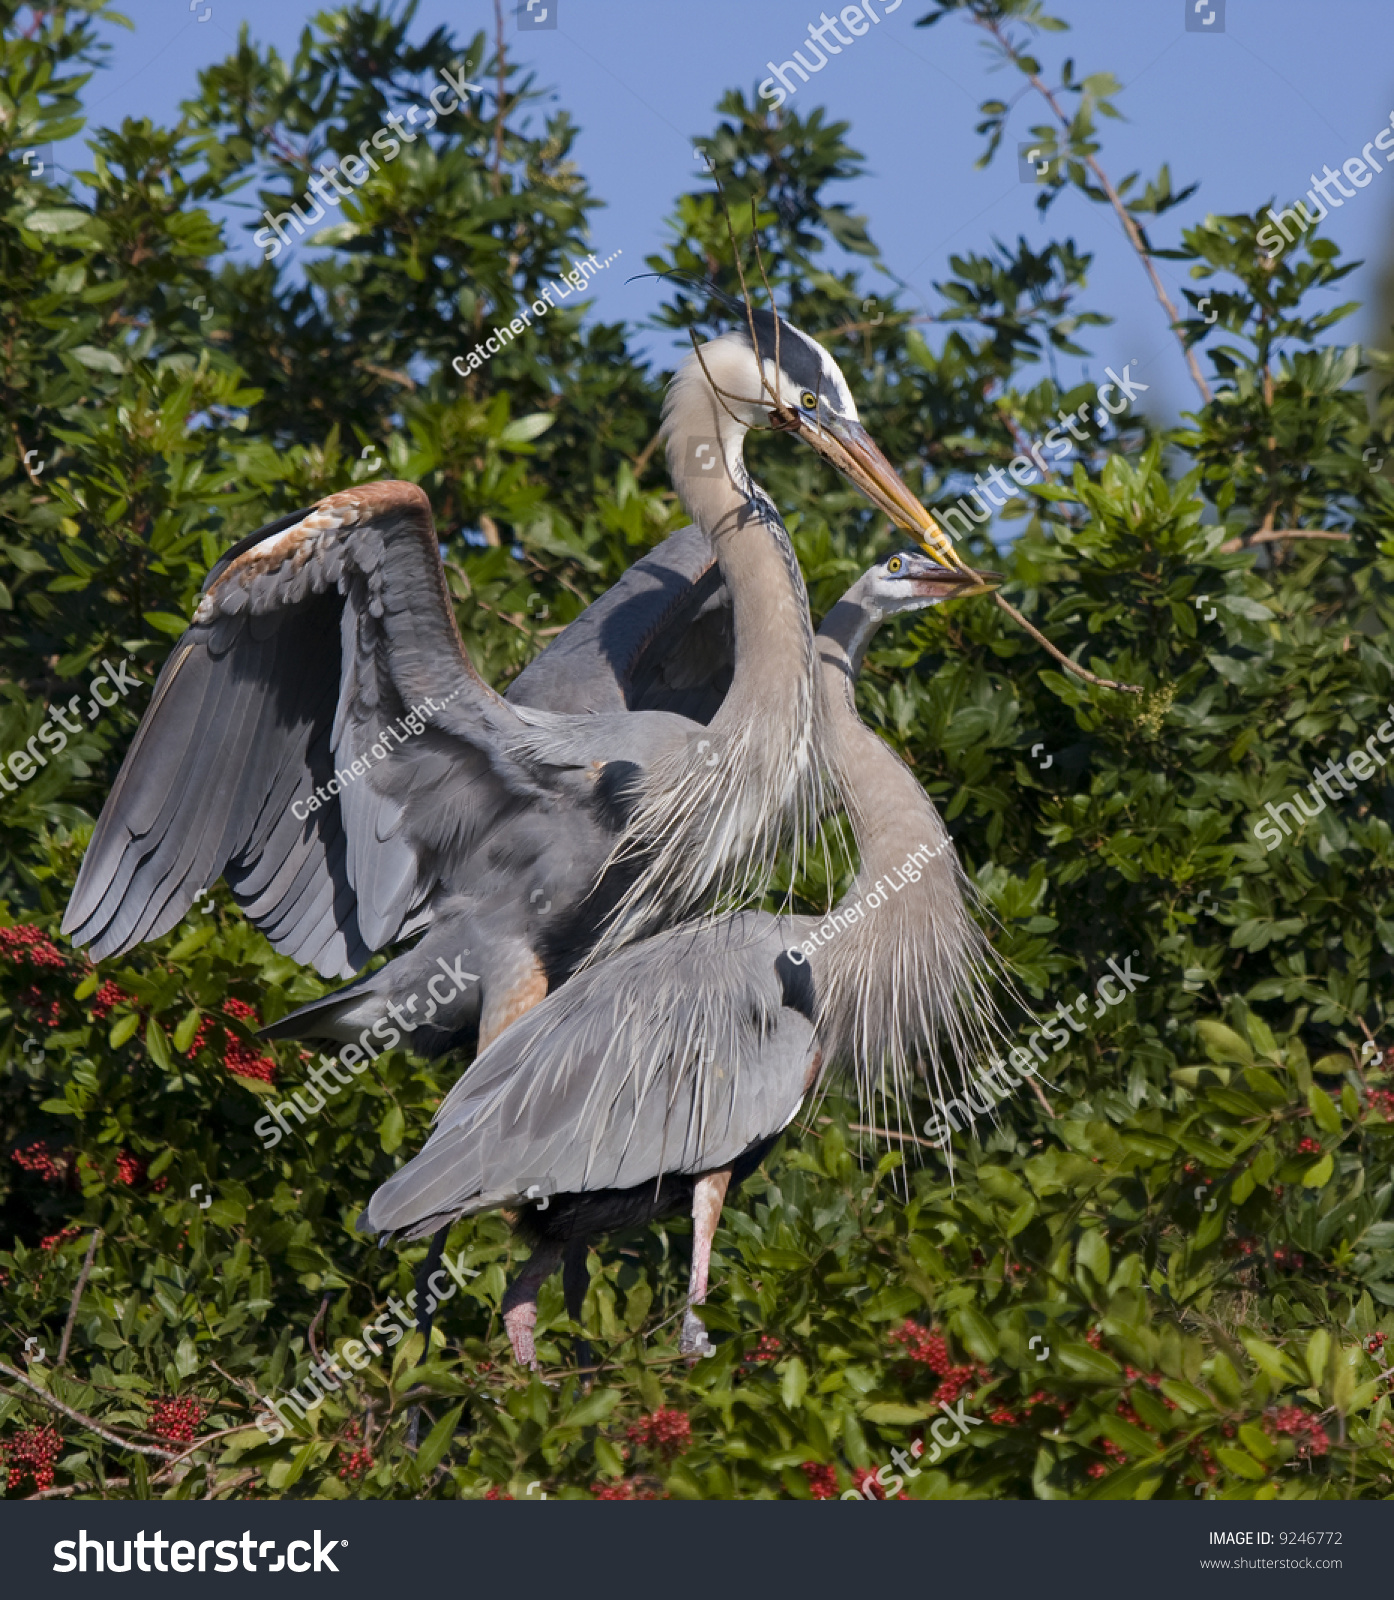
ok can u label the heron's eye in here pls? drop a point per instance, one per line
(894, 564)
(808, 400)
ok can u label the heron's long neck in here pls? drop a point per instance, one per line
(900, 964)
(714, 814)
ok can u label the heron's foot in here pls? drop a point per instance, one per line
(520, 1320)
(693, 1342)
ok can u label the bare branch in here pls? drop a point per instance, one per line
(87, 1422)
(1061, 657)
(77, 1296)
(1121, 211)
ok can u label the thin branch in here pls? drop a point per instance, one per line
(1272, 535)
(86, 1422)
(642, 459)
(77, 1296)
(1060, 656)
(496, 167)
(890, 1133)
(404, 378)
(314, 1328)
(64, 1490)
(1124, 216)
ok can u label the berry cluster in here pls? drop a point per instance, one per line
(1382, 1100)
(31, 945)
(1303, 1428)
(822, 1481)
(106, 999)
(1308, 1146)
(43, 1161)
(33, 1001)
(129, 1169)
(767, 1350)
(177, 1419)
(31, 1454)
(357, 1465)
(238, 1057)
(1374, 1342)
(493, 1493)
(864, 1482)
(931, 1349)
(53, 1240)
(923, 1345)
(625, 1489)
(668, 1432)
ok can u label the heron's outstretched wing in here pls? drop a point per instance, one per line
(323, 656)
(659, 640)
(674, 1056)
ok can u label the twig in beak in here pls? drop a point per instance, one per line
(1064, 660)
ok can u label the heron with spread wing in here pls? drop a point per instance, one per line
(661, 1074)
(508, 833)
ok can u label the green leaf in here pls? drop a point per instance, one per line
(1318, 1175)
(1318, 1354)
(392, 1129)
(525, 429)
(55, 220)
(592, 1408)
(1224, 1044)
(794, 1384)
(890, 1413)
(1323, 1109)
(1241, 1462)
(123, 1028)
(437, 1442)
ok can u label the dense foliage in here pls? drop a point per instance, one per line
(1170, 1272)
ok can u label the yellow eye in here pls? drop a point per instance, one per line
(894, 564)
(808, 400)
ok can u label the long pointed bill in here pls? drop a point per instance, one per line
(857, 458)
(956, 585)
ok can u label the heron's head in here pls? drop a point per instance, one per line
(767, 373)
(910, 580)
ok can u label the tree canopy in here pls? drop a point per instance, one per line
(1169, 1271)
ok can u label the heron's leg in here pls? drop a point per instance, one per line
(424, 1318)
(520, 1302)
(508, 998)
(707, 1200)
(575, 1280)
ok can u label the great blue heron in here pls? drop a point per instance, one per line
(265, 755)
(660, 1075)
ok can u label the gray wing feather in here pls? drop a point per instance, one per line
(310, 636)
(674, 1056)
(659, 640)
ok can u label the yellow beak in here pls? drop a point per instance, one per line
(854, 453)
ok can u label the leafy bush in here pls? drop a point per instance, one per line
(1169, 1272)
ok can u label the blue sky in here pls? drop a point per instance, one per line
(1251, 112)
